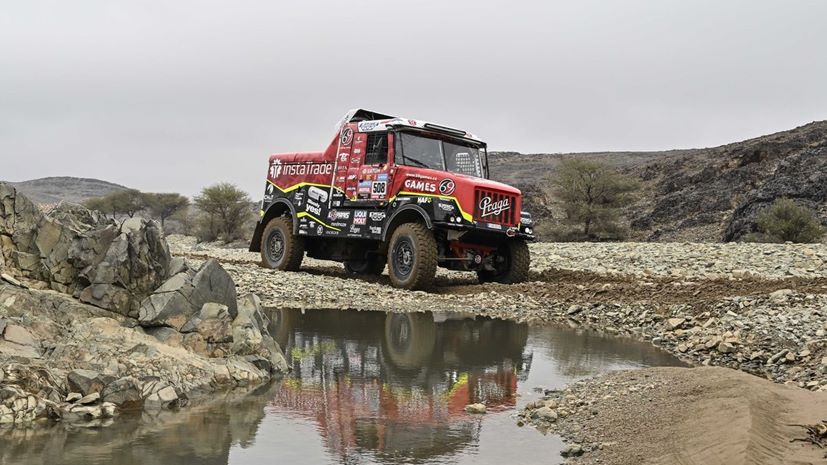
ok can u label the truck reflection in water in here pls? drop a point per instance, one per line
(396, 385)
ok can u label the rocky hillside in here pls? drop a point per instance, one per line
(65, 188)
(708, 194)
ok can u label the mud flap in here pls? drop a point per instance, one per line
(255, 242)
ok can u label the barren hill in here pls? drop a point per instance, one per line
(65, 188)
(710, 194)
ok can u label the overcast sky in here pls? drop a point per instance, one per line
(174, 95)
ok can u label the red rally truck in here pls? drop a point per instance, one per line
(402, 192)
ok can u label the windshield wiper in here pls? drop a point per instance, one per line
(417, 162)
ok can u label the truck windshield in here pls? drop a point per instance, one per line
(437, 154)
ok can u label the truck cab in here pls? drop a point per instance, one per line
(405, 193)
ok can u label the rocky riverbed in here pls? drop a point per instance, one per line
(97, 317)
(757, 308)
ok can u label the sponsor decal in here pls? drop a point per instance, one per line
(268, 198)
(377, 216)
(269, 188)
(275, 169)
(365, 126)
(421, 176)
(346, 136)
(343, 156)
(375, 229)
(446, 207)
(302, 231)
(360, 217)
(379, 188)
(354, 161)
(355, 229)
(494, 226)
(412, 122)
(488, 207)
(339, 224)
(317, 193)
(335, 215)
(351, 177)
(382, 177)
(421, 186)
(319, 230)
(447, 186)
(340, 179)
(313, 207)
(357, 151)
(423, 200)
(300, 169)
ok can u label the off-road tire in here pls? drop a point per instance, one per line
(290, 258)
(515, 267)
(372, 266)
(420, 246)
(411, 347)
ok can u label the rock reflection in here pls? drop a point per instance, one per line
(395, 385)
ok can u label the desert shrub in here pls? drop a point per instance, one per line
(225, 211)
(592, 195)
(163, 206)
(785, 221)
(127, 202)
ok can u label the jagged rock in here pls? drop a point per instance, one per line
(85, 381)
(183, 295)
(80, 252)
(90, 398)
(213, 323)
(20, 335)
(124, 392)
(74, 397)
(247, 326)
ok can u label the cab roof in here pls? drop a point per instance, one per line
(371, 121)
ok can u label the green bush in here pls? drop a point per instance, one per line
(784, 221)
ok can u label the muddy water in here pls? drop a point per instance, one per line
(365, 388)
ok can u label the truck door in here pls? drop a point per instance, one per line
(369, 170)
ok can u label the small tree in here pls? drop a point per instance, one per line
(226, 208)
(126, 202)
(784, 221)
(162, 206)
(592, 194)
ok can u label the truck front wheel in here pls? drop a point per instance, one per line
(412, 257)
(280, 248)
(510, 263)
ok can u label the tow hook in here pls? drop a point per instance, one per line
(511, 232)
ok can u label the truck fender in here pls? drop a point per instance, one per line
(406, 212)
(275, 209)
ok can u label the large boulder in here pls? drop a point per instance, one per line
(83, 253)
(183, 296)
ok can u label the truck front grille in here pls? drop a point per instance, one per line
(495, 207)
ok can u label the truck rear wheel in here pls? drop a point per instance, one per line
(280, 248)
(412, 257)
(372, 266)
(511, 263)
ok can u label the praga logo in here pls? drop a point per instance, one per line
(347, 136)
(447, 186)
(420, 186)
(488, 207)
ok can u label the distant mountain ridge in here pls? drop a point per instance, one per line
(709, 194)
(65, 188)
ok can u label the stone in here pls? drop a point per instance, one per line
(124, 392)
(9, 279)
(90, 398)
(475, 408)
(545, 414)
(20, 335)
(674, 323)
(167, 394)
(726, 348)
(84, 381)
(108, 410)
(182, 296)
(780, 295)
(572, 450)
(3, 324)
(74, 397)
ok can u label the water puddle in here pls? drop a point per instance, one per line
(366, 388)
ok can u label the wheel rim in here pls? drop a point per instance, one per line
(403, 257)
(400, 332)
(275, 246)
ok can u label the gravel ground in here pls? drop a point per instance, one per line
(758, 308)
